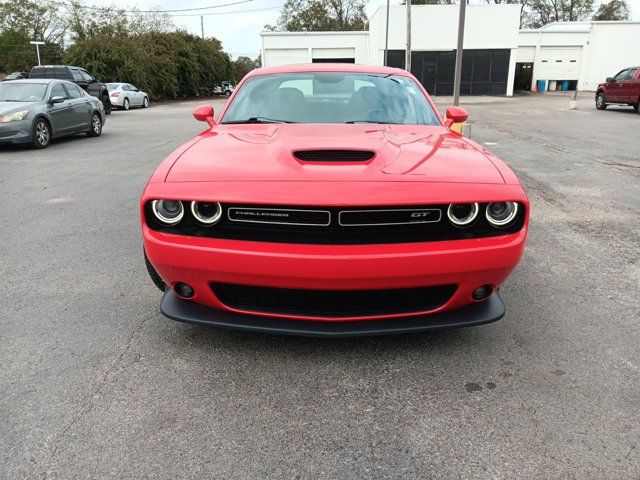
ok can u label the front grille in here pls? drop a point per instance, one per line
(334, 155)
(334, 225)
(332, 303)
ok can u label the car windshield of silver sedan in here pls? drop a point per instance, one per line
(22, 92)
(330, 97)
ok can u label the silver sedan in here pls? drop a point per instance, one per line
(35, 111)
(125, 96)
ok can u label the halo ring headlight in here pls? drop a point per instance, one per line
(501, 214)
(466, 219)
(207, 213)
(169, 212)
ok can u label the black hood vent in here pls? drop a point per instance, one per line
(334, 155)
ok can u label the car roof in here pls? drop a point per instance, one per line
(45, 81)
(328, 67)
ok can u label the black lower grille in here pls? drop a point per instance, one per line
(332, 303)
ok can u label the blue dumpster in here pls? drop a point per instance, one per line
(542, 85)
(565, 85)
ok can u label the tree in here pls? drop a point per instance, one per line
(242, 66)
(321, 15)
(41, 20)
(614, 10)
(542, 12)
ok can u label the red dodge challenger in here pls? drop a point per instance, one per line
(332, 200)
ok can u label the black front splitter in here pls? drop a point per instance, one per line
(181, 310)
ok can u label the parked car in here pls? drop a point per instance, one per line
(621, 89)
(36, 110)
(332, 200)
(224, 88)
(125, 96)
(16, 76)
(77, 75)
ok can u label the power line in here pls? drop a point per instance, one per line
(94, 7)
(250, 10)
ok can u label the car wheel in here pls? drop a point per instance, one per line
(125, 104)
(145, 102)
(106, 103)
(600, 102)
(155, 278)
(41, 134)
(227, 93)
(636, 107)
(96, 125)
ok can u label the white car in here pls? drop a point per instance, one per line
(225, 89)
(125, 96)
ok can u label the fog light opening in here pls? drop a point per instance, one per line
(184, 290)
(482, 293)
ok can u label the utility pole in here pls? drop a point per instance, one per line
(202, 25)
(458, 74)
(408, 60)
(37, 44)
(386, 39)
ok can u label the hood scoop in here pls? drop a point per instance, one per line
(351, 156)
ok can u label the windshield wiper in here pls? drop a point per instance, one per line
(256, 120)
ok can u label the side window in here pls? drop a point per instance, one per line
(125, 87)
(632, 73)
(76, 75)
(60, 72)
(620, 76)
(58, 91)
(131, 87)
(86, 77)
(73, 91)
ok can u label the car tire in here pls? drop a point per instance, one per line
(125, 104)
(155, 278)
(41, 133)
(227, 93)
(145, 102)
(636, 107)
(106, 103)
(95, 129)
(601, 104)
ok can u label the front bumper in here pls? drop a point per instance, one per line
(199, 262)
(474, 314)
(16, 132)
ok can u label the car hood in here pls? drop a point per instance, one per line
(265, 153)
(11, 107)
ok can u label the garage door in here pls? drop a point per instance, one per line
(285, 56)
(559, 63)
(526, 54)
(334, 53)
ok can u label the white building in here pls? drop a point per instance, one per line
(497, 56)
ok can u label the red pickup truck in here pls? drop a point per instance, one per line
(624, 89)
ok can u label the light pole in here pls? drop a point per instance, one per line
(386, 39)
(458, 74)
(37, 44)
(408, 61)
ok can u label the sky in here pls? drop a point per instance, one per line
(238, 26)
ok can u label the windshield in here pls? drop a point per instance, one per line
(330, 97)
(22, 92)
(112, 86)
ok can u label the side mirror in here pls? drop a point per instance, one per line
(204, 113)
(456, 115)
(609, 79)
(57, 99)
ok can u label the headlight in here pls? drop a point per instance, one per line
(169, 212)
(207, 213)
(500, 214)
(14, 117)
(462, 214)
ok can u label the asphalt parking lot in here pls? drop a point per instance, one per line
(95, 383)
